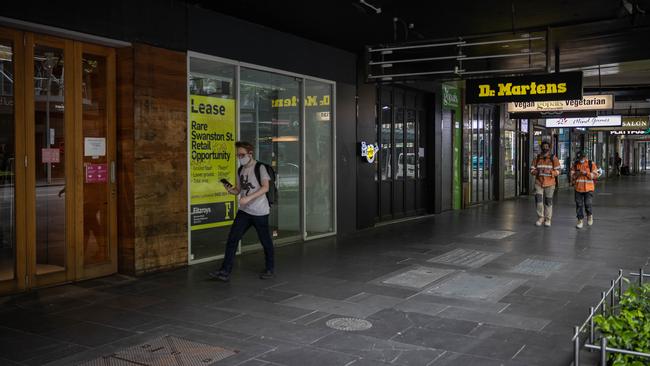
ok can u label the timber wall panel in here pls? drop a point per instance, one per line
(160, 159)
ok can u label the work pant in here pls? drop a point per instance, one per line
(243, 221)
(583, 203)
(544, 201)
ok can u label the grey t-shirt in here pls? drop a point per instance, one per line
(248, 185)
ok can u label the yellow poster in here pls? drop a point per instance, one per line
(212, 158)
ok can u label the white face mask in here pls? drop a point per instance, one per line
(245, 160)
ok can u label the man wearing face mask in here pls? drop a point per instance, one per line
(254, 210)
(583, 173)
(545, 168)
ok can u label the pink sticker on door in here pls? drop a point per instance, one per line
(96, 173)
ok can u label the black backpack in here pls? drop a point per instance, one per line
(272, 193)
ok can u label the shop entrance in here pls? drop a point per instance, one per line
(57, 161)
(403, 148)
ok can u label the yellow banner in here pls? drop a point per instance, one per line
(212, 158)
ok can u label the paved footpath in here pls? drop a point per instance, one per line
(482, 286)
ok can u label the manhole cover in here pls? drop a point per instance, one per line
(417, 278)
(168, 351)
(349, 324)
(495, 234)
(465, 258)
(537, 267)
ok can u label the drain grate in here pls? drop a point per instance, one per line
(465, 258)
(168, 351)
(349, 324)
(495, 234)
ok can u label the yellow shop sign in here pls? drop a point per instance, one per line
(529, 88)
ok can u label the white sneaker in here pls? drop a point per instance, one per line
(590, 220)
(579, 225)
(539, 222)
(547, 222)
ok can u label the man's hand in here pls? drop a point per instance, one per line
(244, 200)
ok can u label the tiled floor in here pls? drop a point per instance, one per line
(482, 286)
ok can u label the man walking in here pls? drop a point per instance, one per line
(545, 168)
(253, 182)
(583, 173)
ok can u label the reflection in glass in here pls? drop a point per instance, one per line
(421, 161)
(319, 164)
(213, 79)
(386, 146)
(270, 120)
(95, 188)
(510, 150)
(409, 162)
(398, 133)
(7, 164)
(50, 159)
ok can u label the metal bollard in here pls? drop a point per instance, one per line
(592, 338)
(640, 276)
(603, 351)
(576, 347)
(620, 284)
(611, 298)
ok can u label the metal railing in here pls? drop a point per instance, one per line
(610, 296)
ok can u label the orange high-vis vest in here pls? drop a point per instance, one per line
(545, 169)
(583, 177)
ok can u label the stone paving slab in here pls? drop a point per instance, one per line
(465, 258)
(477, 287)
(537, 267)
(330, 306)
(504, 320)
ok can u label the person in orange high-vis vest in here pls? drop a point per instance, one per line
(545, 168)
(583, 173)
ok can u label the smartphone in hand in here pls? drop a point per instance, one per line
(225, 182)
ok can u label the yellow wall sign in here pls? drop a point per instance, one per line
(529, 88)
(212, 130)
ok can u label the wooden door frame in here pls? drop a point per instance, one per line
(25, 276)
(19, 280)
(66, 45)
(96, 270)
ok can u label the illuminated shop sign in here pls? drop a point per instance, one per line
(634, 123)
(587, 103)
(529, 88)
(450, 96)
(629, 132)
(601, 121)
(369, 151)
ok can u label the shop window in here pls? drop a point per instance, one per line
(319, 159)
(270, 119)
(212, 209)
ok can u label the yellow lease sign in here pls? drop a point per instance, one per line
(212, 130)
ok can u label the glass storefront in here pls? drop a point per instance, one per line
(516, 158)
(290, 121)
(509, 142)
(477, 147)
(7, 163)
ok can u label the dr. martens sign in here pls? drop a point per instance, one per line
(529, 88)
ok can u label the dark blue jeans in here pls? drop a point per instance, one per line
(583, 203)
(243, 221)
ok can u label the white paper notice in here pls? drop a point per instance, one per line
(94, 146)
